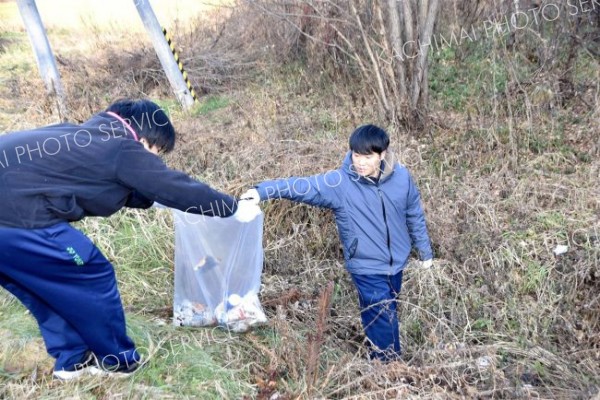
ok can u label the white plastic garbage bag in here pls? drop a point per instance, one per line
(218, 266)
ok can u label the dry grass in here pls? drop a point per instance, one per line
(501, 316)
(110, 15)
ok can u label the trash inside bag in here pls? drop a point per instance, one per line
(218, 266)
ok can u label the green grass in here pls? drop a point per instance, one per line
(170, 106)
(140, 246)
(209, 104)
(483, 324)
(17, 57)
(16, 318)
(535, 277)
(188, 362)
(182, 363)
(456, 83)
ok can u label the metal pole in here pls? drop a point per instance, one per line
(43, 52)
(164, 53)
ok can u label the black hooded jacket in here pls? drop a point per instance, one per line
(66, 172)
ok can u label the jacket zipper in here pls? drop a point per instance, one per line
(387, 228)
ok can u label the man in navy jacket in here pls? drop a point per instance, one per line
(379, 218)
(61, 173)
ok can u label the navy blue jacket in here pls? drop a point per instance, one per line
(66, 172)
(378, 222)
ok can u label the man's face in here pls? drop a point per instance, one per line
(367, 165)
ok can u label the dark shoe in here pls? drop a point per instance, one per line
(90, 365)
(115, 371)
(385, 356)
(87, 363)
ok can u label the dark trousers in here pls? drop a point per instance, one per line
(70, 289)
(377, 299)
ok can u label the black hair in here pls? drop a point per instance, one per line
(367, 139)
(148, 120)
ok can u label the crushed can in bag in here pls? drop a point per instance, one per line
(218, 266)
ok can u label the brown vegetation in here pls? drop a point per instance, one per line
(505, 177)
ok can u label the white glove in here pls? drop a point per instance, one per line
(252, 196)
(246, 211)
(427, 263)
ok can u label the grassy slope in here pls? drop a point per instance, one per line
(501, 316)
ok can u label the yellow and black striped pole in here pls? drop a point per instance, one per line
(180, 64)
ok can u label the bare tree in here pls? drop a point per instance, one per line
(403, 36)
(386, 41)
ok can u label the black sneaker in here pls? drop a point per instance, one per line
(85, 366)
(116, 371)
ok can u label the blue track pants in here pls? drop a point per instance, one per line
(377, 299)
(71, 290)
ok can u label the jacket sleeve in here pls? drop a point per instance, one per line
(317, 190)
(136, 200)
(415, 220)
(148, 175)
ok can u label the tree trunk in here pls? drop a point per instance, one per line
(421, 65)
(395, 39)
(409, 36)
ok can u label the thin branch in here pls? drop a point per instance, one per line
(382, 98)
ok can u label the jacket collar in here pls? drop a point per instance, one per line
(125, 124)
(112, 122)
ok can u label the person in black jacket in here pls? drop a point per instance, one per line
(57, 174)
